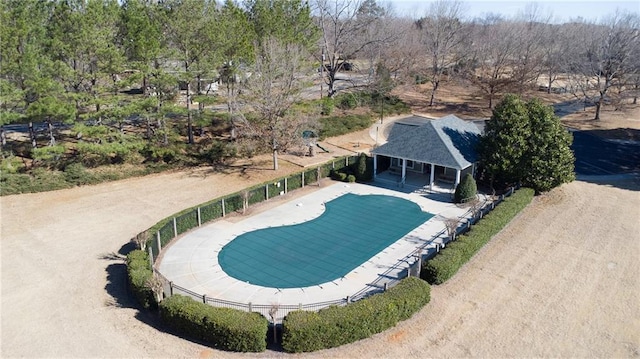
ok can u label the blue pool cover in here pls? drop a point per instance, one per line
(352, 229)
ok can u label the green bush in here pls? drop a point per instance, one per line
(308, 331)
(346, 101)
(340, 125)
(338, 176)
(444, 265)
(77, 174)
(327, 106)
(223, 328)
(363, 168)
(351, 178)
(139, 272)
(466, 189)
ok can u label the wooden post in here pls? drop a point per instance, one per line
(199, 218)
(285, 184)
(223, 214)
(302, 179)
(175, 228)
(266, 191)
(158, 241)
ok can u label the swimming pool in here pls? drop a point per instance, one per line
(353, 229)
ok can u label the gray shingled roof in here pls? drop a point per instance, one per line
(448, 141)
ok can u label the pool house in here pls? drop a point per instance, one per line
(425, 150)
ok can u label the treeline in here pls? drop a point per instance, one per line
(128, 81)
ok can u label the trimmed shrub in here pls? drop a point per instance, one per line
(466, 189)
(308, 331)
(351, 178)
(139, 272)
(363, 168)
(456, 254)
(222, 328)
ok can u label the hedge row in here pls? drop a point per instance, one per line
(456, 254)
(139, 272)
(223, 328)
(334, 326)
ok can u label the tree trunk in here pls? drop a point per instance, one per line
(3, 137)
(433, 92)
(275, 155)
(189, 117)
(598, 108)
(32, 134)
(52, 139)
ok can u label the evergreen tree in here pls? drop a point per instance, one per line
(466, 189)
(504, 142)
(525, 142)
(549, 161)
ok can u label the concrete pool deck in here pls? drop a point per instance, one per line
(191, 261)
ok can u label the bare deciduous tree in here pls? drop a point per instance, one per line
(141, 240)
(276, 83)
(491, 65)
(603, 57)
(451, 225)
(444, 35)
(348, 28)
(156, 285)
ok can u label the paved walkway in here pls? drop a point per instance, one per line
(192, 260)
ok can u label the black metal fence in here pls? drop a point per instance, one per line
(410, 265)
(170, 228)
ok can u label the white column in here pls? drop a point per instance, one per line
(404, 170)
(375, 166)
(457, 176)
(432, 177)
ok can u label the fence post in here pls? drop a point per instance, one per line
(285, 184)
(266, 192)
(171, 289)
(346, 161)
(333, 165)
(158, 241)
(250, 307)
(223, 214)
(175, 228)
(348, 300)
(151, 256)
(385, 286)
(302, 179)
(204, 299)
(299, 306)
(199, 218)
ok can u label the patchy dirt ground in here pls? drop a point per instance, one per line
(561, 280)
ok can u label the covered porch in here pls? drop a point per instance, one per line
(433, 154)
(430, 176)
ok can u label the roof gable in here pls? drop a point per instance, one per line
(448, 141)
